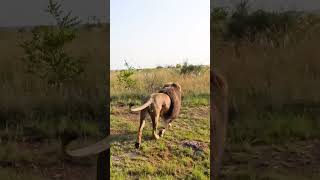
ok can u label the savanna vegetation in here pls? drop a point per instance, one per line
(183, 152)
(52, 79)
(270, 60)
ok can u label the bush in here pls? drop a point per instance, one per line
(218, 14)
(125, 77)
(45, 54)
(243, 24)
(190, 69)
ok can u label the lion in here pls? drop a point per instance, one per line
(165, 104)
(218, 127)
(218, 120)
(167, 101)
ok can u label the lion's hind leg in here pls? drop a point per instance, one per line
(155, 121)
(167, 125)
(143, 115)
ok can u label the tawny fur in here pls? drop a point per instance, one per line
(218, 120)
(165, 104)
(167, 101)
(160, 101)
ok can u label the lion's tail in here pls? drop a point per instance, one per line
(145, 105)
(96, 148)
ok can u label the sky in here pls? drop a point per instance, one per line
(30, 12)
(154, 33)
(15, 13)
(146, 33)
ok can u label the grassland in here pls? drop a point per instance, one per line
(169, 157)
(274, 105)
(32, 114)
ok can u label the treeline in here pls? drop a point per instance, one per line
(241, 22)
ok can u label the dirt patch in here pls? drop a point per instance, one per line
(124, 112)
(45, 159)
(301, 158)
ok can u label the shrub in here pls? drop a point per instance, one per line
(243, 24)
(45, 54)
(218, 14)
(125, 77)
(190, 69)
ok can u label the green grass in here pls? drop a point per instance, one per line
(43, 160)
(10, 152)
(164, 158)
(33, 114)
(255, 174)
(274, 106)
(13, 174)
(28, 101)
(274, 127)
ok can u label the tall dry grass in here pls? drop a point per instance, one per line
(272, 75)
(274, 91)
(25, 98)
(150, 80)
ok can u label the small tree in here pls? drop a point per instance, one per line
(218, 14)
(45, 54)
(125, 77)
(190, 69)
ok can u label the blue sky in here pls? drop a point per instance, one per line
(148, 33)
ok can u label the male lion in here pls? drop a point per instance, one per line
(166, 104)
(218, 124)
(218, 119)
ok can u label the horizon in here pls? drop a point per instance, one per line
(155, 66)
(164, 67)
